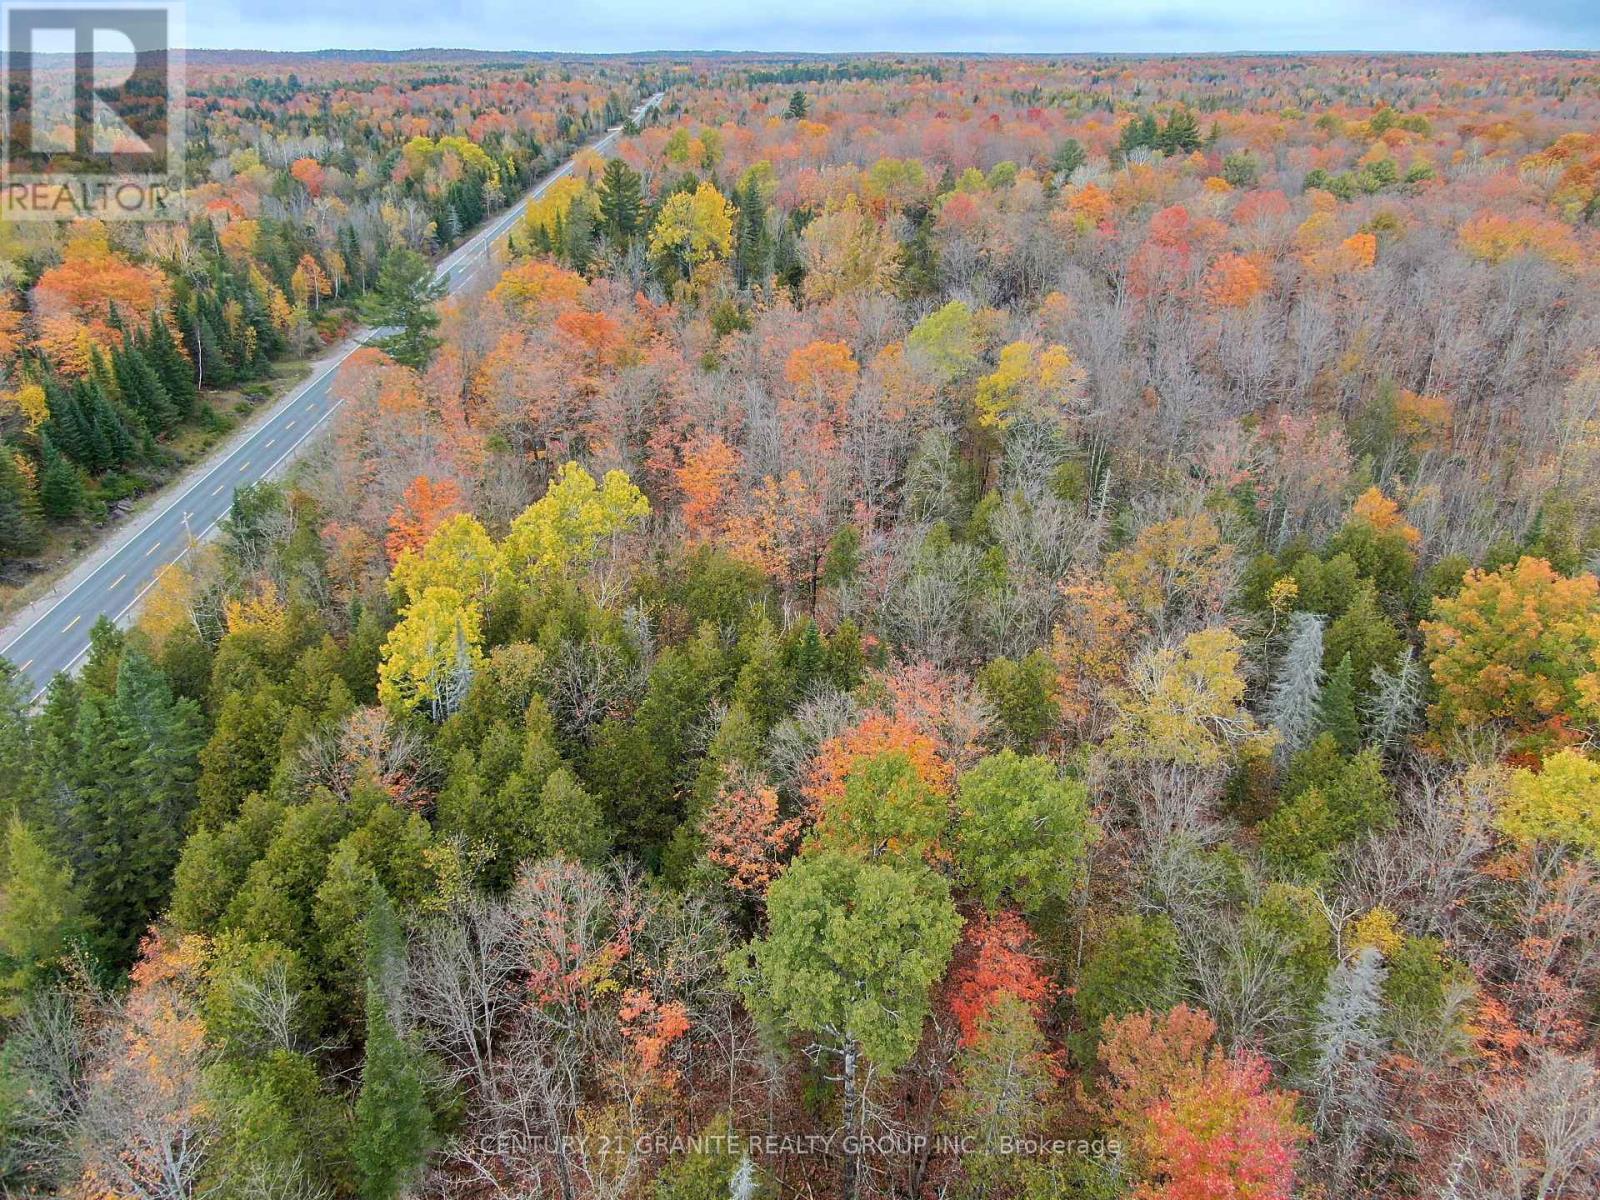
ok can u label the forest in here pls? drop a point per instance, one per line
(946, 627)
(128, 350)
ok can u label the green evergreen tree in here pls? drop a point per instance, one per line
(569, 821)
(171, 367)
(66, 427)
(1133, 966)
(402, 300)
(797, 106)
(142, 390)
(1069, 156)
(125, 769)
(1336, 711)
(61, 490)
(753, 254)
(1180, 135)
(621, 201)
(578, 235)
(392, 1121)
(21, 532)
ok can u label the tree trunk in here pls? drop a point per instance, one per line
(850, 1178)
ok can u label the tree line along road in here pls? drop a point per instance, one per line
(52, 634)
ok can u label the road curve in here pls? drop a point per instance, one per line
(52, 634)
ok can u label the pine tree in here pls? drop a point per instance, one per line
(392, 1122)
(1180, 135)
(621, 201)
(403, 299)
(1336, 711)
(1292, 705)
(797, 106)
(1069, 157)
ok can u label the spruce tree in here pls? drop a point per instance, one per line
(754, 243)
(577, 235)
(108, 424)
(142, 389)
(1396, 702)
(20, 529)
(1336, 712)
(125, 769)
(66, 428)
(100, 453)
(1292, 705)
(173, 369)
(60, 485)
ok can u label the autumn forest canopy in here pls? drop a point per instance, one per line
(935, 627)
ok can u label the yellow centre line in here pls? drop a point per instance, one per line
(152, 550)
(244, 466)
(26, 665)
(218, 491)
(270, 444)
(116, 581)
(72, 622)
(290, 425)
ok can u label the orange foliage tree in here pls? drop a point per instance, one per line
(426, 504)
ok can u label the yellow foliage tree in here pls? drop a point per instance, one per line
(29, 400)
(1025, 376)
(1185, 706)
(567, 527)
(1176, 571)
(262, 613)
(168, 605)
(545, 213)
(431, 654)
(1558, 803)
(459, 554)
(847, 251)
(693, 228)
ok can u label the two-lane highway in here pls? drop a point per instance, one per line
(53, 634)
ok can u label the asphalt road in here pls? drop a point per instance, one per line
(53, 634)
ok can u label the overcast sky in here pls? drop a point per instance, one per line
(1033, 26)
